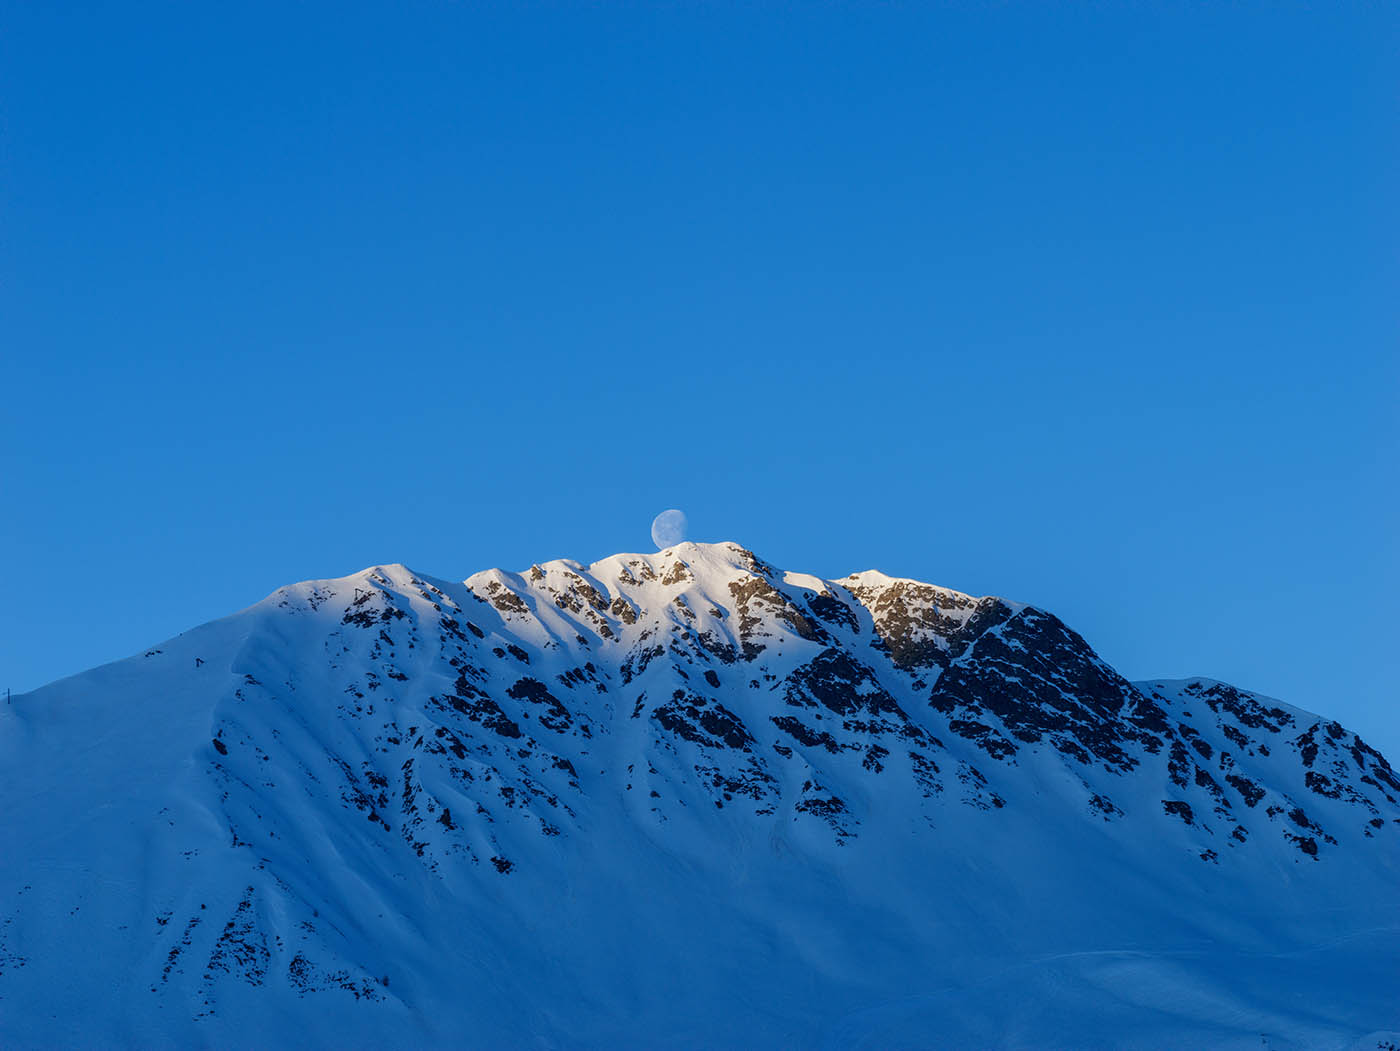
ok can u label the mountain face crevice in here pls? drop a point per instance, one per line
(374, 789)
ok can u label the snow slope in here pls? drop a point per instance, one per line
(674, 800)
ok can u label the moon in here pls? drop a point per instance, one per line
(669, 528)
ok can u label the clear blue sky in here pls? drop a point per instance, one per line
(1092, 306)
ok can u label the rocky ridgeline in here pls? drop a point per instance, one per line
(703, 677)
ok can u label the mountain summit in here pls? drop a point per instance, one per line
(681, 799)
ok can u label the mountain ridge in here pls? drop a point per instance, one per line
(350, 769)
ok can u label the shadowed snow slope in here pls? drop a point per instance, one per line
(675, 800)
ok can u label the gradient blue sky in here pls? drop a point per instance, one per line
(1093, 307)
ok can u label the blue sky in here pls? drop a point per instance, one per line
(1093, 308)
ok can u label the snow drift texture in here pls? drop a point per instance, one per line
(681, 799)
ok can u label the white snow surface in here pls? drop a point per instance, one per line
(681, 799)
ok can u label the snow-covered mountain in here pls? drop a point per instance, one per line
(681, 799)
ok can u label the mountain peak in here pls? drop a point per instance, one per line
(438, 801)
